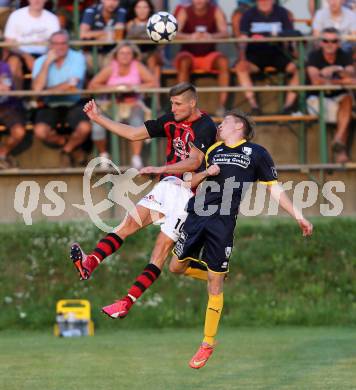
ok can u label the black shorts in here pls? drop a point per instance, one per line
(11, 116)
(278, 60)
(208, 240)
(67, 117)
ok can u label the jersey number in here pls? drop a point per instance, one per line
(179, 225)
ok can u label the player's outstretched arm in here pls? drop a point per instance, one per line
(129, 132)
(191, 164)
(279, 195)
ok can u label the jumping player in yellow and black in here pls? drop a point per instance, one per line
(207, 236)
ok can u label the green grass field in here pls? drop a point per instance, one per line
(254, 358)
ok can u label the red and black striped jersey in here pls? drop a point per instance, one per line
(180, 135)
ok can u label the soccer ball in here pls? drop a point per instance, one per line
(162, 27)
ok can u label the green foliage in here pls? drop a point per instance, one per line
(276, 276)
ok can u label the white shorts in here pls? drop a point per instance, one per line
(170, 198)
(331, 106)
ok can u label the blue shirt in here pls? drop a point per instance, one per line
(73, 66)
(93, 16)
(5, 75)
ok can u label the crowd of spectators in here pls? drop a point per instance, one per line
(58, 120)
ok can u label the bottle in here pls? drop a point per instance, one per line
(119, 31)
(274, 29)
(6, 80)
(109, 31)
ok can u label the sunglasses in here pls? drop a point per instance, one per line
(330, 41)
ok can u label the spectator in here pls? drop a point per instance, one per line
(265, 19)
(186, 3)
(350, 4)
(31, 24)
(330, 64)
(159, 4)
(126, 71)
(337, 16)
(5, 11)
(136, 29)
(103, 21)
(65, 10)
(242, 7)
(200, 21)
(61, 69)
(12, 116)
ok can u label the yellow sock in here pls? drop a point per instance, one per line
(212, 317)
(196, 273)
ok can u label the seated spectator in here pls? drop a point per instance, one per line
(337, 16)
(326, 65)
(198, 22)
(65, 11)
(242, 7)
(5, 11)
(61, 69)
(136, 29)
(126, 71)
(103, 21)
(31, 24)
(12, 116)
(350, 4)
(185, 3)
(265, 19)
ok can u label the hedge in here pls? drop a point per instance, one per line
(276, 276)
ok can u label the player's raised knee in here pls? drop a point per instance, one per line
(128, 227)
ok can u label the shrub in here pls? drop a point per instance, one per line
(276, 276)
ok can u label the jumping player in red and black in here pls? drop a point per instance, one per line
(189, 133)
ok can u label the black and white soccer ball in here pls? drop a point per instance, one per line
(162, 27)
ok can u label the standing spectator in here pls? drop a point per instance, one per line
(200, 21)
(31, 24)
(12, 116)
(136, 29)
(330, 64)
(265, 19)
(61, 69)
(337, 16)
(126, 71)
(103, 21)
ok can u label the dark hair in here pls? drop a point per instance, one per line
(331, 30)
(180, 88)
(248, 123)
(131, 11)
